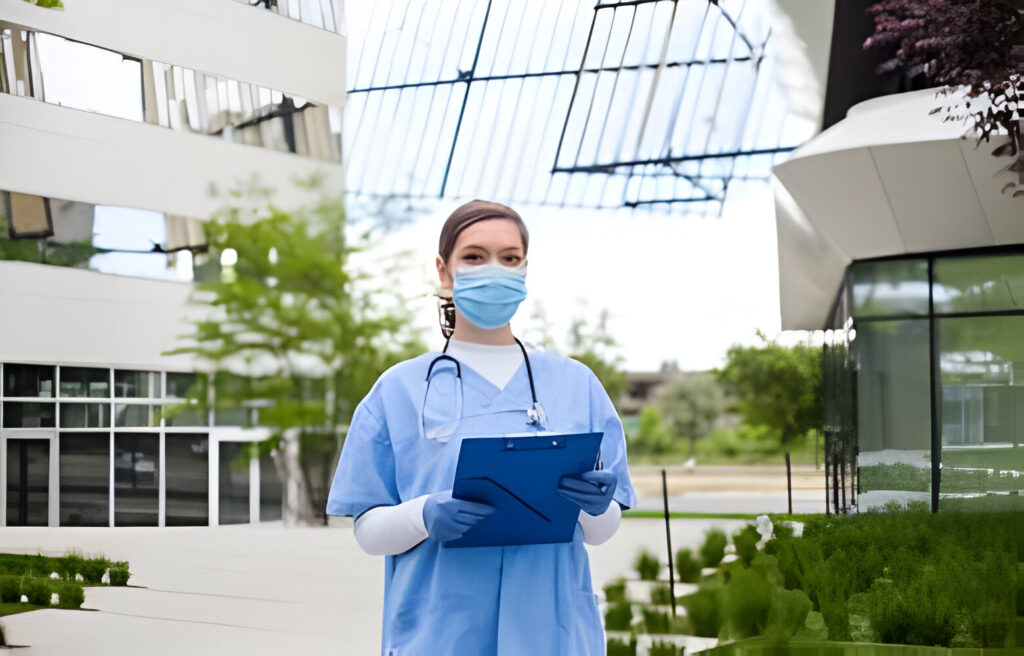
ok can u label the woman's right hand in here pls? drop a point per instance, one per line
(448, 518)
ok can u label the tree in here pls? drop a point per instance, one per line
(652, 436)
(592, 348)
(691, 405)
(778, 387)
(292, 310)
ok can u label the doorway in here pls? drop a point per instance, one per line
(28, 482)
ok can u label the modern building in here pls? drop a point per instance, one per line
(896, 237)
(142, 105)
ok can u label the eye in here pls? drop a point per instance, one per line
(471, 257)
(513, 259)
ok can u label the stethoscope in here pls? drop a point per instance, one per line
(536, 415)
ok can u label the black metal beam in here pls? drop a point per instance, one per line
(666, 161)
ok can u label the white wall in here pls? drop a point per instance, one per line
(73, 154)
(58, 314)
(221, 37)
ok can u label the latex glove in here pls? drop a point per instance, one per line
(592, 490)
(448, 518)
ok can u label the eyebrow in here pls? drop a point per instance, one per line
(482, 248)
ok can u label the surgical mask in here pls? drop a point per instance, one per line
(490, 294)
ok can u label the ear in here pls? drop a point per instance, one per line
(442, 273)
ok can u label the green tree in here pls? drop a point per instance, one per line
(593, 348)
(652, 436)
(778, 387)
(691, 405)
(292, 308)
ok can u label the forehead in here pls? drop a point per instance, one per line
(493, 234)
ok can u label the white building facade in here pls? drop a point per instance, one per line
(209, 93)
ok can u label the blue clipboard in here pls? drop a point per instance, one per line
(519, 477)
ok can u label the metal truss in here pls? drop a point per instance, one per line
(640, 103)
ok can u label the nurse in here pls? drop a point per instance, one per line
(397, 467)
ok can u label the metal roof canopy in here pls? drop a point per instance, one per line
(633, 103)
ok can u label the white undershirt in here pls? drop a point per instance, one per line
(391, 530)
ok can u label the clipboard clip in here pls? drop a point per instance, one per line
(533, 443)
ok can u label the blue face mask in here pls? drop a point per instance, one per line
(489, 295)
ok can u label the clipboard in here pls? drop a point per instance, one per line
(519, 477)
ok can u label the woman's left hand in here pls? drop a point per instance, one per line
(592, 491)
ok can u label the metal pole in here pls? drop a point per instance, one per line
(668, 540)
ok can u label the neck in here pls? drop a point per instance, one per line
(466, 331)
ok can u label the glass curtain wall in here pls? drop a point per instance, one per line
(936, 348)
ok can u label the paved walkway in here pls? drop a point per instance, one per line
(250, 590)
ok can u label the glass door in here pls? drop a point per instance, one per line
(28, 482)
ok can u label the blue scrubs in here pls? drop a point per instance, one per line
(500, 601)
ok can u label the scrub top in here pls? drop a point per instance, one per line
(485, 601)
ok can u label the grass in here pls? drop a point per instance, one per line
(658, 514)
(15, 608)
(742, 445)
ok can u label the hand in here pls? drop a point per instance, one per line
(592, 490)
(448, 518)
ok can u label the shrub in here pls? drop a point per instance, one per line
(93, 568)
(119, 573)
(618, 647)
(746, 543)
(687, 567)
(10, 588)
(70, 565)
(655, 621)
(702, 608)
(615, 591)
(71, 594)
(789, 609)
(659, 648)
(713, 549)
(618, 617)
(647, 566)
(746, 601)
(37, 590)
(661, 595)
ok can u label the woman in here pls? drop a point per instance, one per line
(397, 468)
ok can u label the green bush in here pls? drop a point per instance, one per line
(1020, 590)
(713, 549)
(746, 543)
(93, 568)
(618, 617)
(687, 567)
(661, 595)
(615, 591)
(647, 566)
(10, 588)
(746, 601)
(660, 648)
(37, 589)
(70, 592)
(617, 647)
(67, 567)
(655, 621)
(788, 613)
(119, 573)
(702, 608)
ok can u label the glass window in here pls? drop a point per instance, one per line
(28, 482)
(184, 415)
(83, 381)
(84, 415)
(135, 415)
(84, 479)
(893, 411)
(890, 288)
(234, 482)
(271, 491)
(28, 415)
(28, 380)
(979, 284)
(982, 395)
(187, 480)
(136, 479)
(180, 384)
(136, 384)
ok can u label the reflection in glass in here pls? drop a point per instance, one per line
(28, 482)
(84, 381)
(187, 480)
(179, 384)
(84, 415)
(84, 479)
(135, 415)
(28, 415)
(136, 384)
(271, 491)
(979, 284)
(234, 483)
(893, 410)
(136, 479)
(982, 395)
(28, 380)
(890, 288)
